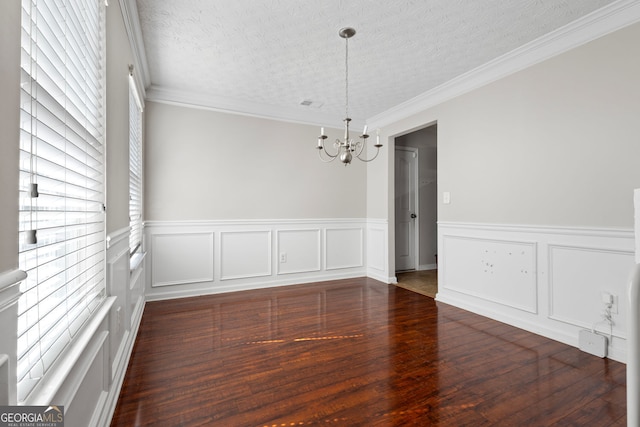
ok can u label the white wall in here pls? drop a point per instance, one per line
(119, 56)
(227, 195)
(554, 146)
(205, 165)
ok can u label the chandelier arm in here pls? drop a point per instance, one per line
(359, 147)
(330, 159)
(371, 159)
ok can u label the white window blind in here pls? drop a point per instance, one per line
(61, 150)
(135, 167)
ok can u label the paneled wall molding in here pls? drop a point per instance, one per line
(10, 287)
(548, 280)
(189, 258)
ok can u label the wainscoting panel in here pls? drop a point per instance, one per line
(179, 258)
(299, 251)
(344, 248)
(245, 254)
(573, 270)
(253, 254)
(547, 280)
(499, 271)
(377, 249)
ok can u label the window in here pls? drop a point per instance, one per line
(135, 166)
(61, 226)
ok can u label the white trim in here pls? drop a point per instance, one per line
(134, 34)
(136, 260)
(266, 282)
(633, 350)
(12, 277)
(247, 108)
(118, 376)
(9, 287)
(625, 233)
(254, 222)
(89, 354)
(608, 19)
(117, 236)
(47, 388)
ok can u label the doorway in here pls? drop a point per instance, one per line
(416, 200)
(406, 208)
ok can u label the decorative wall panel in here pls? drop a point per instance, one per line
(588, 273)
(344, 248)
(500, 271)
(299, 251)
(245, 254)
(180, 258)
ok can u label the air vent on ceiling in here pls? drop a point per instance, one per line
(310, 103)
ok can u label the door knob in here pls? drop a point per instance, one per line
(413, 215)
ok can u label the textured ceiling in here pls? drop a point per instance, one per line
(275, 53)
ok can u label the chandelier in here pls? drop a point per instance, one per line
(348, 148)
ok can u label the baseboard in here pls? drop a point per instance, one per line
(616, 353)
(180, 292)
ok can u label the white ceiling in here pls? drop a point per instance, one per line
(265, 56)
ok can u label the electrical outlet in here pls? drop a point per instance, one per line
(611, 300)
(283, 257)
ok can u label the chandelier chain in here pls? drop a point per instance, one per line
(346, 85)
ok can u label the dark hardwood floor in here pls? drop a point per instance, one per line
(355, 353)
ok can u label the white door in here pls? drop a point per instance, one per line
(406, 183)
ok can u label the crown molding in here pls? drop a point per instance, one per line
(246, 108)
(134, 34)
(604, 21)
